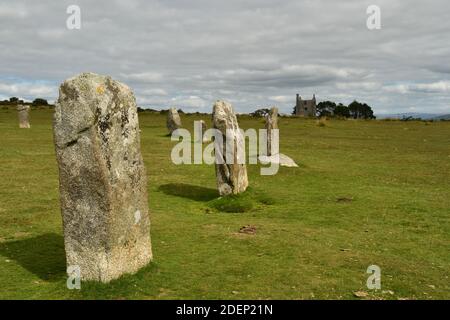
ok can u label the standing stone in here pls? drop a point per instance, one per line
(203, 127)
(274, 156)
(203, 130)
(173, 120)
(271, 124)
(23, 112)
(232, 176)
(102, 178)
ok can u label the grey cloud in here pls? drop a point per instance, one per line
(252, 53)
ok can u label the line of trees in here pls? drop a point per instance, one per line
(12, 100)
(15, 101)
(355, 110)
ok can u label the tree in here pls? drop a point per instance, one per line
(354, 108)
(367, 112)
(260, 113)
(325, 108)
(40, 102)
(360, 110)
(342, 111)
(14, 100)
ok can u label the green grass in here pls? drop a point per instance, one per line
(394, 178)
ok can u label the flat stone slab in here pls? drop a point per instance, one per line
(281, 158)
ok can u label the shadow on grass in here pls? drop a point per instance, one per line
(189, 191)
(43, 255)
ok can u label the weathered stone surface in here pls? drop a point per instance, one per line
(103, 184)
(280, 158)
(23, 111)
(231, 176)
(173, 120)
(271, 124)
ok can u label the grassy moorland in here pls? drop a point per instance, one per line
(365, 192)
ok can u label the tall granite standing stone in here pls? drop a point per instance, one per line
(231, 176)
(102, 178)
(271, 124)
(173, 120)
(23, 111)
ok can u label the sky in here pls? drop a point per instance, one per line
(252, 53)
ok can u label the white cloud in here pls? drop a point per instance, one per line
(189, 102)
(13, 10)
(54, 34)
(436, 87)
(398, 88)
(27, 91)
(154, 92)
(143, 77)
(363, 85)
(433, 87)
(283, 99)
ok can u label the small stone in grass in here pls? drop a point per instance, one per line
(248, 229)
(360, 294)
(344, 199)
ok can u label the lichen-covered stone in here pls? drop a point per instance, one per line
(24, 113)
(271, 124)
(231, 176)
(173, 120)
(103, 183)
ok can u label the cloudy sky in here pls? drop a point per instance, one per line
(253, 53)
